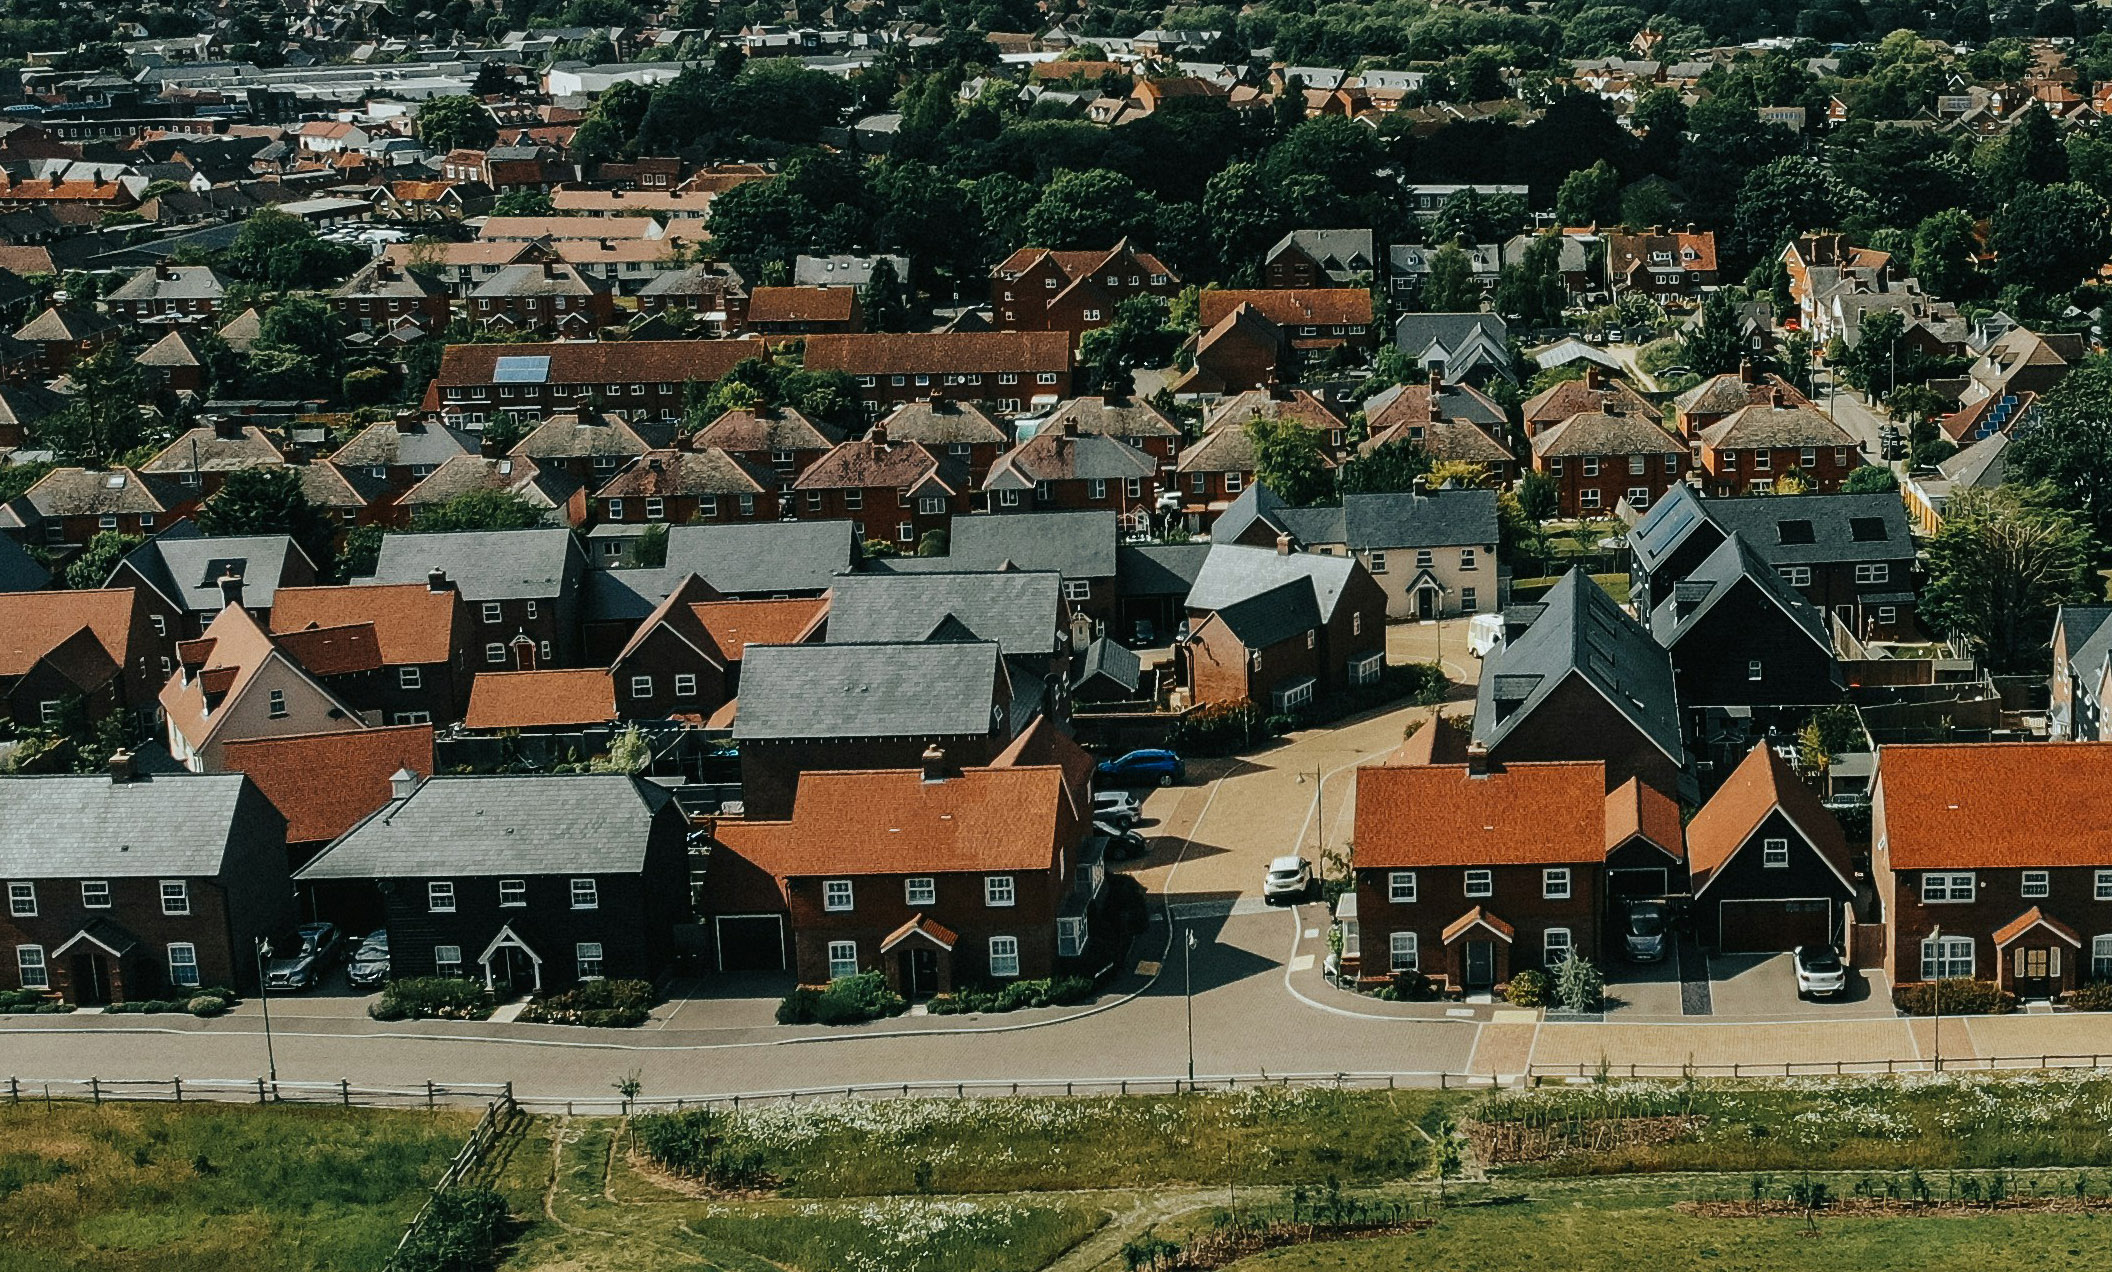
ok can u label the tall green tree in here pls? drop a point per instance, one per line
(1450, 287)
(1997, 570)
(1946, 254)
(1138, 336)
(92, 567)
(106, 416)
(1590, 196)
(2070, 451)
(882, 299)
(454, 123)
(478, 510)
(1288, 460)
(2049, 238)
(1716, 344)
(1387, 469)
(1089, 210)
(2026, 157)
(1530, 290)
(269, 500)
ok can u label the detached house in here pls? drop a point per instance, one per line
(1747, 450)
(201, 458)
(111, 648)
(1320, 258)
(1133, 420)
(1432, 552)
(169, 294)
(422, 634)
(670, 486)
(236, 682)
(1276, 627)
(1599, 461)
(70, 506)
(1671, 268)
(778, 438)
(958, 430)
(589, 445)
(1036, 289)
(1740, 637)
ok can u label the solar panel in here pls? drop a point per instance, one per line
(521, 370)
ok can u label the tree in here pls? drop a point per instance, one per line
(283, 252)
(106, 417)
(1538, 497)
(1946, 254)
(1137, 337)
(1997, 569)
(1089, 210)
(1783, 198)
(1578, 985)
(2070, 451)
(92, 567)
(523, 203)
(2029, 155)
(1462, 474)
(1530, 290)
(1450, 286)
(478, 510)
(1589, 196)
(1387, 469)
(361, 553)
(1288, 460)
(1870, 479)
(1716, 344)
(269, 500)
(456, 123)
(882, 299)
(2050, 238)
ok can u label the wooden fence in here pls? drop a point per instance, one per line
(497, 1120)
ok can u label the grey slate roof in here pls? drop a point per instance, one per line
(1582, 632)
(19, 571)
(1842, 527)
(1719, 574)
(868, 691)
(484, 565)
(1077, 545)
(1159, 569)
(87, 825)
(765, 557)
(514, 825)
(1110, 659)
(2089, 637)
(1438, 518)
(1266, 618)
(186, 566)
(1233, 573)
(1018, 609)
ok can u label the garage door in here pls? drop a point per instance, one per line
(1761, 927)
(751, 942)
(1637, 881)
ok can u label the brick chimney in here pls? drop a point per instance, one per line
(230, 585)
(1477, 759)
(121, 768)
(549, 269)
(436, 580)
(1437, 404)
(1437, 378)
(1747, 372)
(934, 763)
(1774, 397)
(1592, 379)
(1069, 428)
(878, 436)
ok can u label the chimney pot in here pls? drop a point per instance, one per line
(231, 590)
(934, 762)
(1283, 545)
(122, 769)
(1478, 759)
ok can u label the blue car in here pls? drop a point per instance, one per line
(1143, 768)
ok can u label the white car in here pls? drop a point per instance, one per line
(1288, 877)
(1117, 808)
(1820, 972)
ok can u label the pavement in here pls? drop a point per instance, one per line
(1252, 986)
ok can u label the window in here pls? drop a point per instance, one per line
(1797, 575)
(1070, 936)
(2104, 885)
(1754, 670)
(588, 955)
(641, 686)
(813, 501)
(1008, 498)
(2037, 883)
(95, 894)
(1233, 482)
(1424, 558)
(22, 900)
(2101, 958)
(1467, 560)
(931, 505)
(686, 685)
(161, 624)
(1554, 465)
(997, 890)
(1046, 377)
(1469, 600)
(1554, 883)
(1405, 957)
(836, 894)
(1946, 957)
(843, 959)
(708, 505)
(495, 654)
(1481, 883)
(1591, 465)
(440, 896)
(447, 960)
(1763, 460)
(1377, 562)
(1356, 624)
(513, 894)
(1774, 854)
(1941, 886)
(29, 961)
(655, 509)
(492, 611)
(906, 531)
(1312, 638)
(854, 501)
(1400, 887)
(1096, 488)
(409, 677)
(175, 896)
(923, 890)
(1887, 614)
(278, 704)
(1555, 947)
(1638, 465)
(1638, 497)
(1588, 497)
(586, 895)
(48, 710)
(1133, 487)
(1877, 573)
(183, 965)
(1004, 956)
(1077, 589)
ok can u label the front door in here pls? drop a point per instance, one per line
(91, 985)
(923, 973)
(1481, 964)
(2037, 969)
(1426, 602)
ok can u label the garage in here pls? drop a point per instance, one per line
(751, 942)
(1632, 882)
(1767, 927)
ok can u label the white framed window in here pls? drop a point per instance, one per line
(1763, 461)
(1403, 952)
(1886, 614)
(1755, 670)
(843, 959)
(1481, 883)
(586, 894)
(1425, 558)
(1591, 465)
(1554, 883)
(1356, 623)
(655, 508)
(1077, 589)
(1939, 885)
(1638, 465)
(1376, 563)
(278, 704)
(1797, 575)
(1400, 887)
(686, 685)
(587, 954)
(997, 890)
(2101, 957)
(183, 965)
(410, 677)
(1233, 483)
(1004, 956)
(708, 505)
(1008, 498)
(1467, 560)
(495, 654)
(175, 896)
(440, 896)
(513, 894)
(1946, 957)
(1638, 497)
(1070, 936)
(29, 963)
(1877, 573)
(906, 532)
(1096, 488)
(1588, 497)
(921, 890)
(1469, 600)
(836, 894)
(2037, 883)
(95, 894)
(492, 612)
(1774, 854)
(447, 960)
(1312, 638)
(2103, 890)
(641, 686)
(1555, 947)
(22, 900)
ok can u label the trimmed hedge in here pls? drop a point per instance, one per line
(432, 998)
(31, 1002)
(1961, 996)
(1056, 991)
(2091, 996)
(601, 1004)
(213, 1001)
(849, 1001)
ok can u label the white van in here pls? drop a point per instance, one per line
(1485, 634)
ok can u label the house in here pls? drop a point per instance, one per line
(324, 783)
(384, 295)
(557, 496)
(1060, 469)
(672, 666)
(941, 878)
(111, 648)
(1457, 347)
(1771, 869)
(637, 379)
(201, 458)
(1469, 873)
(552, 298)
(172, 363)
(960, 430)
(1134, 420)
(1314, 320)
(1023, 611)
(781, 439)
(1982, 465)
(1584, 681)
(534, 882)
(1320, 258)
(855, 272)
(589, 444)
(1595, 392)
(1036, 289)
(1432, 552)
(422, 635)
(670, 486)
(712, 294)
(391, 457)
(2021, 361)
(1745, 452)
(566, 699)
(1672, 268)
(1078, 546)
(2081, 639)
(1741, 637)
(897, 491)
(237, 682)
(1974, 880)
(184, 569)
(69, 506)
(1278, 627)
(522, 588)
(999, 370)
(768, 560)
(1243, 350)
(1448, 422)
(1599, 461)
(169, 294)
(1815, 263)
(64, 336)
(1718, 397)
(803, 311)
(1408, 267)
(124, 887)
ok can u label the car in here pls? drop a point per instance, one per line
(1645, 931)
(1122, 845)
(1117, 808)
(370, 962)
(1143, 634)
(314, 946)
(1290, 877)
(1820, 972)
(1150, 767)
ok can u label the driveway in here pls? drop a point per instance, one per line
(1764, 987)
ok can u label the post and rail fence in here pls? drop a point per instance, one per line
(498, 1118)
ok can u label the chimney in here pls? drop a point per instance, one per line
(1069, 428)
(230, 590)
(1592, 379)
(121, 768)
(1747, 373)
(605, 245)
(1477, 759)
(937, 398)
(436, 580)
(1437, 405)
(1283, 545)
(934, 760)
(1774, 397)
(403, 784)
(549, 269)
(878, 436)
(1437, 378)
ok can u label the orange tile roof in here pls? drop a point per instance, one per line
(32, 624)
(1965, 806)
(1477, 917)
(1518, 814)
(323, 783)
(868, 822)
(413, 623)
(1638, 808)
(1292, 307)
(935, 352)
(333, 651)
(1762, 783)
(735, 625)
(2035, 917)
(802, 304)
(918, 925)
(540, 699)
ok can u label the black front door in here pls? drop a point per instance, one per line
(1481, 964)
(923, 973)
(90, 986)
(1426, 602)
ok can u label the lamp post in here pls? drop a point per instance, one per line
(264, 1000)
(1188, 995)
(1936, 940)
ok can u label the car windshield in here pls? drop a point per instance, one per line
(1646, 923)
(1822, 961)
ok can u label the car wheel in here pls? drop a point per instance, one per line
(1165, 779)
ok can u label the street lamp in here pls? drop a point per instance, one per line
(264, 1000)
(1936, 940)
(1188, 995)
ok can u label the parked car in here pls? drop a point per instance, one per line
(1142, 768)
(1117, 808)
(314, 947)
(370, 962)
(1122, 845)
(1645, 941)
(1288, 877)
(1143, 634)
(1820, 972)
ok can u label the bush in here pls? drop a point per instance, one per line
(1219, 728)
(1057, 991)
(854, 999)
(798, 1007)
(1578, 985)
(461, 1233)
(2093, 996)
(602, 1004)
(206, 1006)
(1960, 996)
(145, 1007)
(432, 998)
(694, 1144)
(1408, 987)
(1528, 988)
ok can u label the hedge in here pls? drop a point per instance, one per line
(1056, 991)
(693, 1144)
(849, 1001)
(601, 1004)
(432, 998)
(31, 1002)
(2091, 996)
(213, 1001)
(1960, 996)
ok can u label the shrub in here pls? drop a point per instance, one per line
(694, 1144)
(2093, 996)
(461, 1233)
(1960, 996)
(798, 1007)
(604, 1004)
(853, 999)
(1058, 991)
(432, 998)
(1407, 986)
(1217, 729)
(1528, 988)
(1578, 985)
(206, 1005)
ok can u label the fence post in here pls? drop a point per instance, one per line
(429, 1094)
(14, 1089)
(1440, 1079)
(1734, 1069)
(95, 1088)
(260, 1090)
(344, 1087)
(177, 1081)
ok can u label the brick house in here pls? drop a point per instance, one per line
(1714, 399)
(1242, 350)
(590, 445)
(1304, 259)
(1672, 268)
(959, 430)
(711, 293)
(1433, 553)
(522, 588)
(201, 879)
(1078, 546)
(1004, 371)
(384, 296)
(237, 681)
(1594, 393)
(1036, 289)
(533, 882)
(200, 459)
(172, 294)
(70, 506)
(1133, 420)
(1211, 474)
(1057, 469)
(1276, 627)
(672, 665)
(1600, 461)
(1771, 869)
(1745, 452)
(670, 486)
(1447, 422)
(804, 311)
(778, 438)
(1974, 880)
(182, 569)
(62, 337)
(637, 379)
(422, 634)
(110, 647)
(554, 493)
(1313, 320)
(2081, 638)
(551, 297)
(898, 491)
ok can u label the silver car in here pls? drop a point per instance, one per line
(1820, 972)
(1289, 878)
